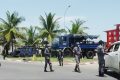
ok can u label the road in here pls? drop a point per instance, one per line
(15, 70)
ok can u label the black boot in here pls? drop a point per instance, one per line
(101, 74)
(75, 68)
(51, 68)
(59, 63)
(79, 70)
(62, 63)
(45, 71)
(101, 71)
(45, 68)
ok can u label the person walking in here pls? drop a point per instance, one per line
(101, 61)
(77, 52)
(60, 57)
(47, 53)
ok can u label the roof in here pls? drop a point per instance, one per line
(111, 30)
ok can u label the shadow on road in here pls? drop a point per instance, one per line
(113, 74)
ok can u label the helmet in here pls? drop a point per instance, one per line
(101, 42)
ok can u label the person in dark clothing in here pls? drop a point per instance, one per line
(4, 54)
(101, 61)
(77, 53)
(60, 57)
(47, 59)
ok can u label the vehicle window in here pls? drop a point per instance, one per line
(116, 47)
(64, 38)
(111, 48)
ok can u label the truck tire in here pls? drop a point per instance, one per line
(90, 54)
(67, 52)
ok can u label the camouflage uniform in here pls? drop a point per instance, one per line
(60, 57)
(77, 52)
(47, 59)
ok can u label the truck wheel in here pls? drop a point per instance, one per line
(67, 52)
(90, 55)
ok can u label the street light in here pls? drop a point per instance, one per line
(65, 13)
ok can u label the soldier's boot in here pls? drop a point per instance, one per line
(75, 68)
(101, 71)
(62, 63)
(79, 69)
(101, 74)
(51, 68)
(45, 68)
(4, 57)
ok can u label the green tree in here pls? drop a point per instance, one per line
(31, 36)
(77, 27)
(10, 30)
(1, 36)
(50, 27)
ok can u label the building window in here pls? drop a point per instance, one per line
(114, 38)
(109, 43)
(119, 27)
(119, 33)
(109, 33)
(109, 38)
(114, 33)
(119, 38)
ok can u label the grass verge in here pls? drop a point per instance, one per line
(53, 59)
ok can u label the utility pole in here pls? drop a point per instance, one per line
(65, 14)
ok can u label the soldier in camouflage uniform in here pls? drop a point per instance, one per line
(77, 53)
(60, 57)
(47, 59)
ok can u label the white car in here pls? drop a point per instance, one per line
(112, 58)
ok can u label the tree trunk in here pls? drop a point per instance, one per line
(12, 45)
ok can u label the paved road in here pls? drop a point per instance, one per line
(12, 70)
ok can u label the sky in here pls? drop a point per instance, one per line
(100, 15)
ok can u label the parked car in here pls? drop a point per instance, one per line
(112, 58)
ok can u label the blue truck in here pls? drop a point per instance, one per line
(85, 41)
(24, 51)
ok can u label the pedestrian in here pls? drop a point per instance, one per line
(4, 54)
(77, 53)
(101, 61)
(47, 53)
(60, 57)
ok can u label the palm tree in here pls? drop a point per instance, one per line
(77, 27)
(1, 36)
(50, 27)
(11, 31)
(31, 35)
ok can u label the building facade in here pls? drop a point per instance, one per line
(113, 35)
